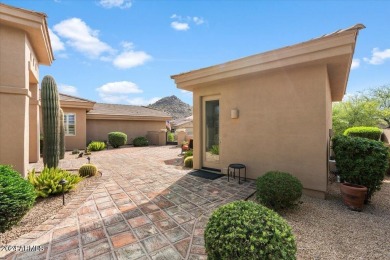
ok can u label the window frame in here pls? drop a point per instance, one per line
(66, 124)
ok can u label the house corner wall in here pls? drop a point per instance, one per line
(14, 100)
(282, 124)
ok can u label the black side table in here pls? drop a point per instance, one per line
(237, 166)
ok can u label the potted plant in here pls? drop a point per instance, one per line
(361, 164)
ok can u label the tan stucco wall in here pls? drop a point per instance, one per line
(78, 141)
(14, 99)
(282, 123)
(98, 129)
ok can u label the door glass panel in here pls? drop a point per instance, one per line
(212, 131)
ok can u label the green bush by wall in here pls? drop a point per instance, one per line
(140, 141)
(244, 230)
(361, 161)
(117, 139)
(373, 133)
(278, 190)
(17, 196)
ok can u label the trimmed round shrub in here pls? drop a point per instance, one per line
(373, 133)
(246, 230)
(117, 139)
(140, 141)
(88, 170)
(188, 162)
(278, 190)
(17, 196)
(96, 146)
(361, 161)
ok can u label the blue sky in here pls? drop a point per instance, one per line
(124, 51)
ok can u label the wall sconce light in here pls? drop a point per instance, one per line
(234, 113)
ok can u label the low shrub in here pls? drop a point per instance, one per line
(140, 141)
(96, 146)
(373, 133)
(75, 151)
(171, 137)
(188, 153)
(278, 190)
(17, 196)
(246, 230)
(188, 162)
(214, 149)
(117, 139)
(361, 161)
(88, 170)
(47, 182)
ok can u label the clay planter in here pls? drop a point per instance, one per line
(353, 195)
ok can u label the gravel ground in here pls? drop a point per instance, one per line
(44, 209)
(326, 229)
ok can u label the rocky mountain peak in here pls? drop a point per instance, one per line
(173, 106)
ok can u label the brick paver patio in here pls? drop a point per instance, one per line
(144, 207)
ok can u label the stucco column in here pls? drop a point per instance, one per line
(162, 137)
(34, 124)
(181, 136)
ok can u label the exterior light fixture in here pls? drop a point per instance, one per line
(62, 183)
(234, 113)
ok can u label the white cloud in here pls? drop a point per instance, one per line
(56, 43)
(378, 57)
(119, 87)
(355, 63)
(183, 23)
(180, 26)
(130, 59)
(120, 93)
(198, 20)
(66, 89)
(123, 4)
(139, 101)
(81, 37)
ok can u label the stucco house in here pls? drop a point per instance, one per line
(183, 123)
(24, 45)
(86, 121)
(273, 110)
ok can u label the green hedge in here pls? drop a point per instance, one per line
(117, 139)
(246, 230)
(278, 190)
(17, 196)
(373, 133)
(140, 141)
(361, 161)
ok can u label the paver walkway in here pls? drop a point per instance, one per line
(144, 208)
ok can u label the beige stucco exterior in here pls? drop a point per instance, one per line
(24, 44)
(284, 101)
(97, 129)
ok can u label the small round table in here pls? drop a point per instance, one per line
(237, 166)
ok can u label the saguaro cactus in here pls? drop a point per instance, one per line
(62, 135)
(50, 122)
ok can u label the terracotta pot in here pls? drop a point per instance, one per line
(353, 195)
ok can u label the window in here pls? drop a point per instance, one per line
(70, 124)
